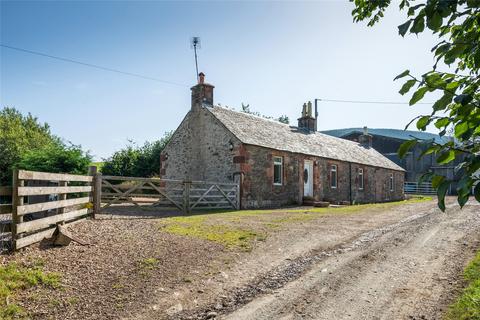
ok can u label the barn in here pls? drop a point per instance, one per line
(276, 164)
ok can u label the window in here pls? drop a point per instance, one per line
(360, 178)
(277, 171)
(333, 176)
(391, 182)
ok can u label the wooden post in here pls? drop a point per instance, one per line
(16, 201)
(238, 194)
(96, 195)
(62, 196)
(186, 196)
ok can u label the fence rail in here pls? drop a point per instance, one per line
(167, 193)
(41, 201)
(419, 188)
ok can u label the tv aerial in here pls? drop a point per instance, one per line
(195, 44)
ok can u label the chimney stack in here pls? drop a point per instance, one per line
(307, 122)
(365, 139)
(202, 94)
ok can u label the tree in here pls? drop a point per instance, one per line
(56, 157)
(18, 135)
(137, 161)
(457, 25)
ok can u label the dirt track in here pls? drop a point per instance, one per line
(405, 270)
(388, 261)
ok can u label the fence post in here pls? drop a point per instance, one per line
(186, 196)
(16, 201)
(97, 190)
(238, 195)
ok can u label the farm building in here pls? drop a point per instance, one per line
(387, 142)
(276, 164)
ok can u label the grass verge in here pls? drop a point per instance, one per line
(467, 306)
(14, 278)
(240, 229)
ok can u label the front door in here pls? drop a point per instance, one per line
(308, 178)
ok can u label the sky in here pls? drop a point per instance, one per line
(273, 56)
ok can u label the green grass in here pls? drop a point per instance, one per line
(226, 235)
(241, 228)
(14, 278)
(467, 306)
(149, 263)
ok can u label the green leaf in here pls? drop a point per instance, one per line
(452, 86)
(418, 24)
(403, 28)
(434, 80)
(423, 122)
(463, 199)
(443, 122)
(437, 180)
(418, 95)
(425, 177)
(441, 192)
(460, 129)
(476, 191)
(463, 99)
(401, 75)
(407, 86)
(443, 102)
(435, 21)
(430, 150)
(446, 157)
(404, 147)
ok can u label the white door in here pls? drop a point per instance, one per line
(308, 178)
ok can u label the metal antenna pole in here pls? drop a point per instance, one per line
(195, 42)
(316, 113)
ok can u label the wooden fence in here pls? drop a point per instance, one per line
(5, 218)
(67, 198)
(175, 194)
(40, 201)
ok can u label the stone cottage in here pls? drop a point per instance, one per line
(276, 164)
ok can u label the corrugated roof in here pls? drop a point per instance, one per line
(391, 133)
(254, 130)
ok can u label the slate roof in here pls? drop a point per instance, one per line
(258, 131)
(390, 133)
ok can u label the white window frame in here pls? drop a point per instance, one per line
(392, 183)
(334, 168)
(278, 161)
(361, 182)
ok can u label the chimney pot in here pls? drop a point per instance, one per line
(307, 122)
(201, 78)
(365, 139)
(202, 93)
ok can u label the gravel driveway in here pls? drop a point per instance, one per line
(392, 261)
(405, 270)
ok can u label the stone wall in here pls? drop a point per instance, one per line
(200, 150)
(259, 190)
